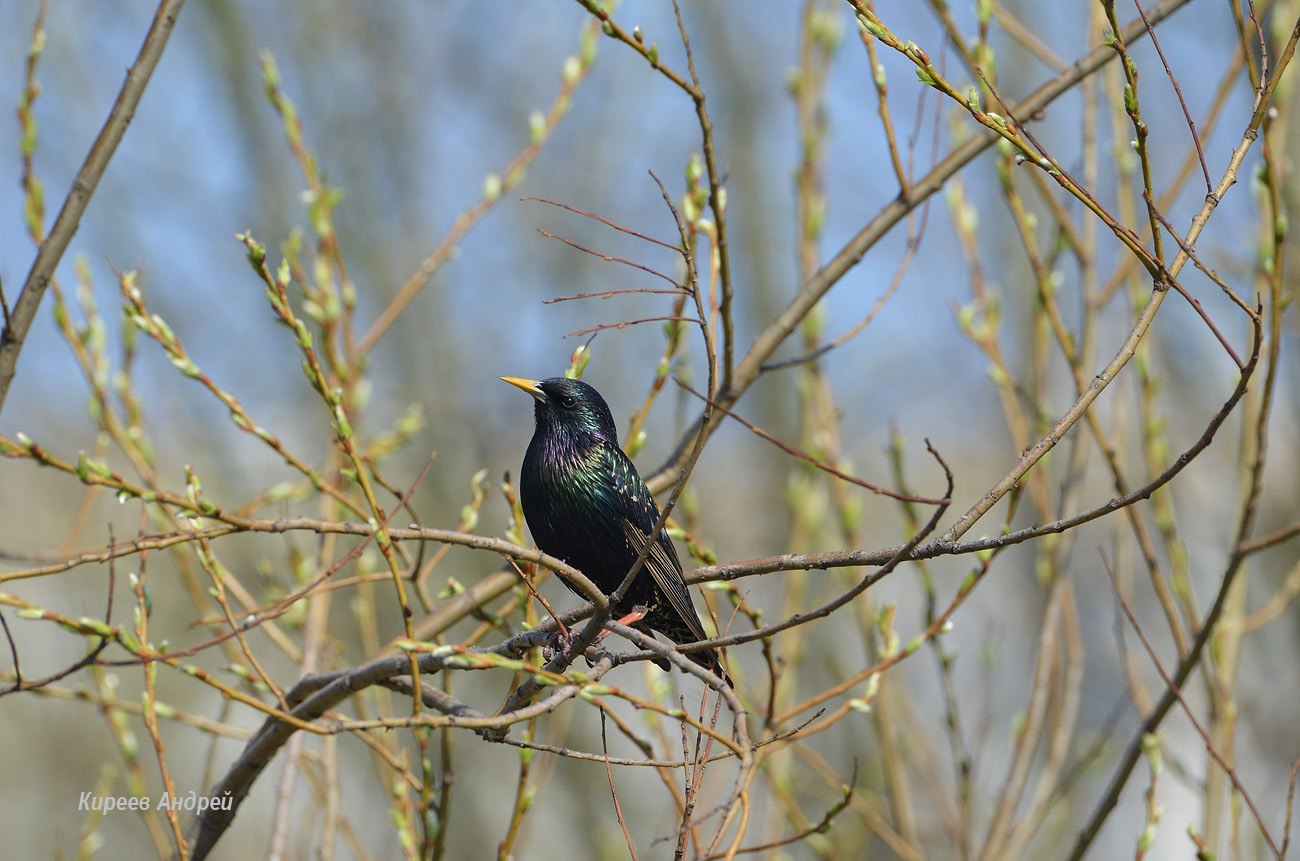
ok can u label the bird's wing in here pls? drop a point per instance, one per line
(667, 574)
(637, 516)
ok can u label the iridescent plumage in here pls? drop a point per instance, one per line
(585, 503)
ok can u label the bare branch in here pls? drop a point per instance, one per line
(83, 187)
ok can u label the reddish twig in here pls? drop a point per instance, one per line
(669, 318)
(532, 590)
(804, 456)
(1209, 273)
(613, 793)
(89, 658)
(605, 221)
(609, 294)
(1173, 689)
(1178, 91)
(609, 258)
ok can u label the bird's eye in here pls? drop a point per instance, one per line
(568, 402)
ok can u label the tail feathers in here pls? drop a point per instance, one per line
(710, 661)
(708, 658)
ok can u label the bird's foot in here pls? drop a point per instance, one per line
(637, 614)
(562, 642)
(559, 643)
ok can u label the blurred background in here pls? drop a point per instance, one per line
(413, 110)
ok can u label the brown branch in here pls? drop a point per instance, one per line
(1276, 537)
(607, 222)
(83, 187)
(904, 553)
(609, 774)
(1184, 668)
(313, 696)
(944, 547)
(532, 590)
(804, 456)
(749, 367)
(667, 318)
(1178, 91)
(608, 258)
(1209, 273)
(1173, 689)
(609, 294)
(87, 660)
(1245, 524)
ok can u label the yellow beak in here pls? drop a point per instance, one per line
(533, 387)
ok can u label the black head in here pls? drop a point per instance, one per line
(569, 407)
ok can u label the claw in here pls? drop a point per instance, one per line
(562, 643)
(559, 644)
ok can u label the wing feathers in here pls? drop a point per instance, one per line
(667, 573)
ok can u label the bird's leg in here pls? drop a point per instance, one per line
(559, 643)
(638, 613)
(562, 641)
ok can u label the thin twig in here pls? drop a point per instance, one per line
(83, 187)
(1178, 91)
(607, 222)
(90, 658)
(532, 590)
(603, 327)
(609, 258)
(1173, 688)
(804, 456)
(609, 294)
(609, 774)
(749, 367)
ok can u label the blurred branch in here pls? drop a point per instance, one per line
(83, 187)
(1186, 665)
(541, 127)
(1173, 689)
(313, 696)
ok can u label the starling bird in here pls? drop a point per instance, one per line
(586, 504)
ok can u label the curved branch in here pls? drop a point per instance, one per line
(316, 694)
